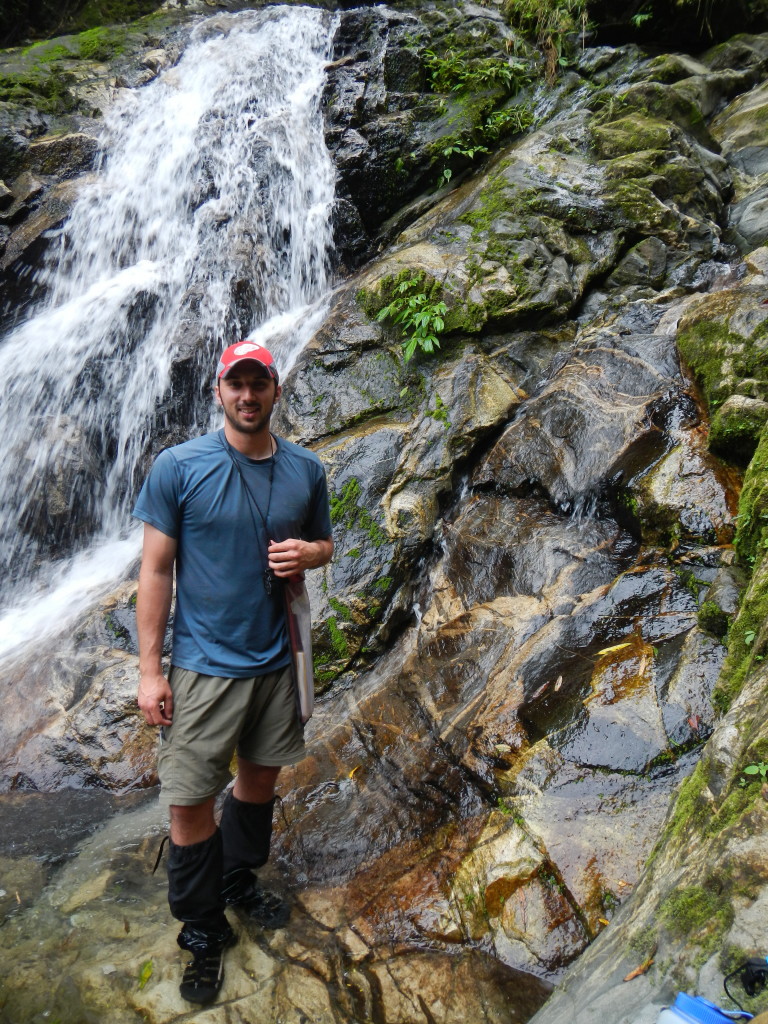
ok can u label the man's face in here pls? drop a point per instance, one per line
(247, 395)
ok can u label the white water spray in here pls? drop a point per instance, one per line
(209, 220)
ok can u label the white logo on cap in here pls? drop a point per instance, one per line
(247, 346)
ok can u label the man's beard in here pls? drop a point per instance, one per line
(256, 427)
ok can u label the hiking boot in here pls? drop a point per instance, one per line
(261, 906)
(204, 974)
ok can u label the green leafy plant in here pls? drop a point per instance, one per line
(452, 73)
(760, 769)
(458, 147)
(640, 18)
(419, 316)
(439, 413)
(515, 119)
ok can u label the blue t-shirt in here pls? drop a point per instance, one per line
(225, 623)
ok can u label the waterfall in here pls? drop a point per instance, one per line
(208, 220)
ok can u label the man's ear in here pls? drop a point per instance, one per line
(278, 391)
(217, 394)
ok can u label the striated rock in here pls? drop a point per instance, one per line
(63, 155)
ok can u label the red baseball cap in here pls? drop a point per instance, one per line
(242, 352)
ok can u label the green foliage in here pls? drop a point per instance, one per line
(549, 23)
(478, 139)
(462, 149)
(508, 120)
(760, 769)
(480, 85)
(454, 73)
(439, 413)
(420, 317)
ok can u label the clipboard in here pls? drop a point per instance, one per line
(299, 621)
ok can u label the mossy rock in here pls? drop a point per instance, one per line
(753, 505)
(636, 165)
(698, 914)
(637, 208)
(666, 104)
(713, 620)
(724, 361)
(748, 635)
(736, 428)
(630, 136)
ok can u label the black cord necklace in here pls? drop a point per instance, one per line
(267, 574)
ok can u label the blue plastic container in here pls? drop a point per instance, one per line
(697, 1010)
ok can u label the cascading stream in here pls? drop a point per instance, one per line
(208, 220)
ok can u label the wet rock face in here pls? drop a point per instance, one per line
(387, 128)
(87, 732)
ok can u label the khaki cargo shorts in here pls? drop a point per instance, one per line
(212, 718)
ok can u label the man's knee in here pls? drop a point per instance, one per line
(192, 823)
(255, 783)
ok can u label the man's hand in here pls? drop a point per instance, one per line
(291, 557)
(155, 699)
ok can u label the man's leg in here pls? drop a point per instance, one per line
(246, 828)
(195, 867)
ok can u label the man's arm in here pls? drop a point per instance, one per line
(153, 605)
(290, 557)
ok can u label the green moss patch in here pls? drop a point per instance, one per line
(346, 510)
(630, 135)
(735, 429)
(700, 915)
(638, 209)
(747, 637)
(721, 359)
(713, 620)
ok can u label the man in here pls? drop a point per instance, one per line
(235, 512)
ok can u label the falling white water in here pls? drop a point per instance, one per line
(208, 221)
